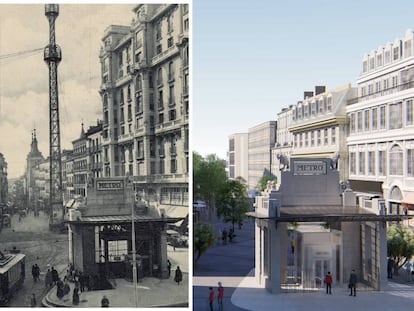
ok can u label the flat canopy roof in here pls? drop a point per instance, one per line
(102, 220)
(9, 261)
(327, 214)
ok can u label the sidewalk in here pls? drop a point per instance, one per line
(232, 264)
(152, 292)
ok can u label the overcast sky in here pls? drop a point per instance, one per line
(253, 58)
(24, 102)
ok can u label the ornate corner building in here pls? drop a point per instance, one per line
(144, 91)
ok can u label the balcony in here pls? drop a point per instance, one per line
(125, 138)
(168, 126)
(163, 55)
(161, 178)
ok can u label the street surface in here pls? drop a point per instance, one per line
(32, 237)
(233, 265)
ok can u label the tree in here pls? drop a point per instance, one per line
(262, 182)
(233, 201)
(203, 238)
(209, 176)
(400, 244)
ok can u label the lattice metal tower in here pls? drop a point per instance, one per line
(52, 56)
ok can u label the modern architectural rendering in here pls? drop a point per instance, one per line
(237, 162)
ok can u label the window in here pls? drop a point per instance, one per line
(382, 118)
(333, 135)
(159, 48)
(140, 150)
(318, 137)
(306, 139)
(312, 135)
(379, 60)
(396, 160)
(407, 48)
(385, 84)
(138, 82)
(396, 53)
(364, 66)
(361, 160)
(122, 115)
(138, 57)
(352, 162)
(410, 162)
(159, 76)
(161, 118)
(129, 92)
(138, 104)
(325, 136)
(170, 71)
(371, 63)
(158, 31)
(120, 60)
(172, 115)
(313, 108)
(129, 112)
(374, 123)
(161, 171)
(121, 96)
(366, 119)
(321, 105)
(170, 42)
(352, 122)
(382, 163)
(160, 100)
(300, 140)
(395, 116)
(173, 167)
(151, 102)
(186, 24)
(169, 24)
(409, 112)
(371, 163)
(359, 115)
(387, 57)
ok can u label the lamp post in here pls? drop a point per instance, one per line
(134, 255)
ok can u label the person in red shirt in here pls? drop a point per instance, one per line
(220, 295)
(211, 298)
(328, 282)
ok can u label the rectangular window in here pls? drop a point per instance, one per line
(407, 48)
(396, 53)
(364, 66)
(352, 122)
(313, 109)
(325, 136)
(372, 63)
(382, 118)
(306, 139)
(387, 57)
(318, 137)
(395, 120)
(359, 115)
(381, 163)
(409, 112)
(361, 161)
(366, 120)
(329, 104)
(379, 60)
(352, 162)
(385, 84)
(321, 105)
(300, 140)
(159, 49)
(170, 42)
(333, 136)
(374, 123)
(371, 163)
(140, 149)
(410, 162)
(312, 135)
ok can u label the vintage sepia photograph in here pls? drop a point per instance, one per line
(94, 155)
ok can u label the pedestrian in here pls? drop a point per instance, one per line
(82, 282)
(390, 267)
(292, 245)
(60, 289)
(231, 235)
(66, 288)
(220, 295)
(352, 283)
(169, 267)
(328, 282)
(104, 302)
(211, 298)
(34, 273)
(75, 296)
(178, 275)
(55, 276)
(224, 236)
(33, 302)
(48, 279)
(37, 272)
(408, 267)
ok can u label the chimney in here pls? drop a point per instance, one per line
(307, 94)
(320, 89)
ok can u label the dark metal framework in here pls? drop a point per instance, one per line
(52, 56)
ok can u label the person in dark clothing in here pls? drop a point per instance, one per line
(224, 236)
(82, 281)
(55, 275)
(328, 282)
(352, 283)
(37, 272)
(178, 275)
(34, 273)
(390, 267)
(75, 297)
(211, 298)
(169, 267)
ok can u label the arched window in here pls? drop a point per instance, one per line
(396, 160)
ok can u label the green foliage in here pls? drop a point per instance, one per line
(203, 238)
(233, 202)
(400, 243)
(209, 176)
(262, 183)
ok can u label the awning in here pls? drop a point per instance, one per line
(327, 214)
(70, 203)
(408, 201)
(177, 212)
(102, 220)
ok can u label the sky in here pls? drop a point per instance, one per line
(253, 58)
(24, 86)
